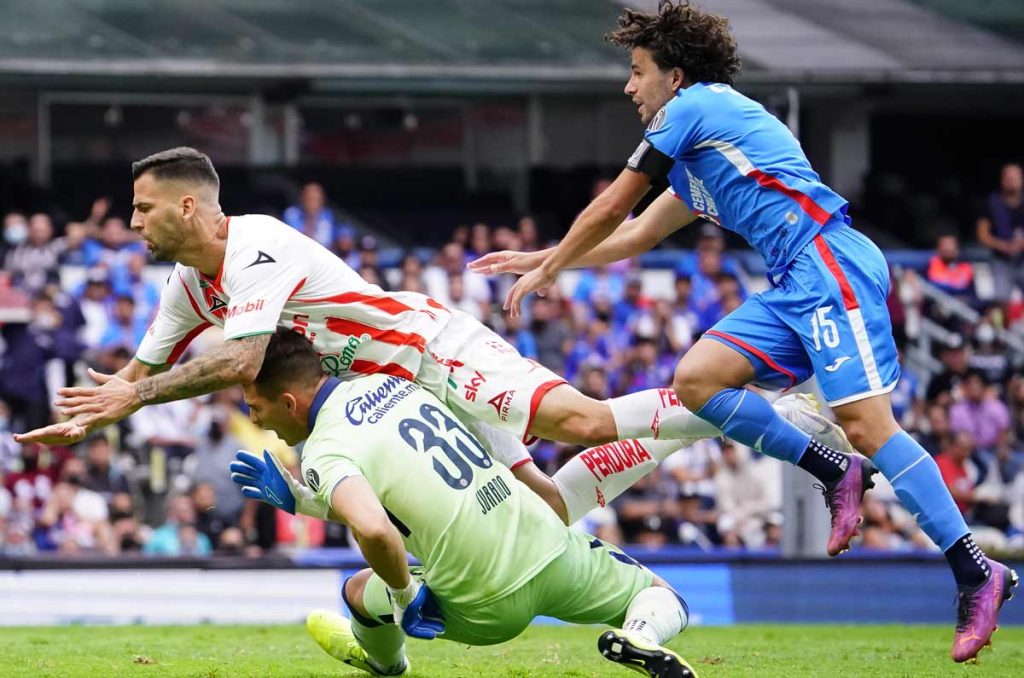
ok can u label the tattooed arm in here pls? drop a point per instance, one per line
(233, 362)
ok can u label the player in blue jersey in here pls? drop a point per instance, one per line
(728, 160)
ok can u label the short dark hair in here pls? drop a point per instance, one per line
(178, 163)
(290, 360)
(682, 36)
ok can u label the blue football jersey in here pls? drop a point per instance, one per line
(737, 165)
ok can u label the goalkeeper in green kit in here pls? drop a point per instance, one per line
(388, 459)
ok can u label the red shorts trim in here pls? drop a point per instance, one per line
(538, 395)
(756, 351)
(849, 298)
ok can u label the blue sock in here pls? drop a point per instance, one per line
(915, 476)
(746, 417)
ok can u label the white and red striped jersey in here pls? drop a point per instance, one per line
(274, 276)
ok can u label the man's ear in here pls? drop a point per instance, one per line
(678, 78)
(290, 403)
(187, 206)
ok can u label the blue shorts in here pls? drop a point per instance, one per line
(826, 317)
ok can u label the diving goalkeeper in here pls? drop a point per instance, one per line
(388, 459)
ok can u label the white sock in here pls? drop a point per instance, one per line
(656, 614)
(506, 449)
(598, 475)
(384, 645)
(657, 412)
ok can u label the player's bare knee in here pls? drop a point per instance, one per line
(690, 386)
(862, 435)
(354, 588)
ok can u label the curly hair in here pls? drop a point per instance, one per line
(682, 36)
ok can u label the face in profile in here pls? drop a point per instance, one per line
(158, 216)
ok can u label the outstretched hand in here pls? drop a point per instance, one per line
(506, 261)
(92, 407)
(535, 281)
(64, 433)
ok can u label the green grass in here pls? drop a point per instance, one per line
(228, 651)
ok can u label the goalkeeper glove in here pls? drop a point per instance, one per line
(265, 479)
(416, 611)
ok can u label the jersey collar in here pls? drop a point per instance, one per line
(322, 394)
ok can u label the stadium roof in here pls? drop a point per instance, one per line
(473, 45)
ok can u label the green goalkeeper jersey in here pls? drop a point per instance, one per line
(479, 533)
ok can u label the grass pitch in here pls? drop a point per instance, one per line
(279, 651)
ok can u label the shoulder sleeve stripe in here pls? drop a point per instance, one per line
(180, 347)
(191, 300)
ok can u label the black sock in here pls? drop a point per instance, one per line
(824, 463)
(967, 562)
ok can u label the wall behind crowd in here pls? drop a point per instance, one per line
(157, 483)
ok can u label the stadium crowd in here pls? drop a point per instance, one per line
(157, 482)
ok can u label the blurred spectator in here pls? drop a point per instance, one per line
(34, 263)
(23, 365)
(980, 413)
(681, 325)
(113, 247)
(101, 475)
(15, 233)
(457, 298)
(632, 303)
(345, 246)
(167, 426)
(947, 272)
(411, 274)
(529, 239)
(935, 430)
(954, 369)
(1015, 399)
(75, 519)
(125, 328)
(708, 283)
(312, 216)
(994, 492)
(989, 354)
(10, 451)
(552, 334)
(96, 304)
(904, 397)
(710, 240)
(593, 381)
(178, 536)
(479, 241)
(369, 262)
(451, 263)
(1000, 228)
(129, 281)
(128, 534)
(211, 520)
(693, 470)
(959, 474)
(31, 485)
(593, 346)
(746, 504)
(600, 283)
(646, 513)
(645, 368)
(215, 450)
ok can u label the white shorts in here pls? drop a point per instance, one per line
(481, 376)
